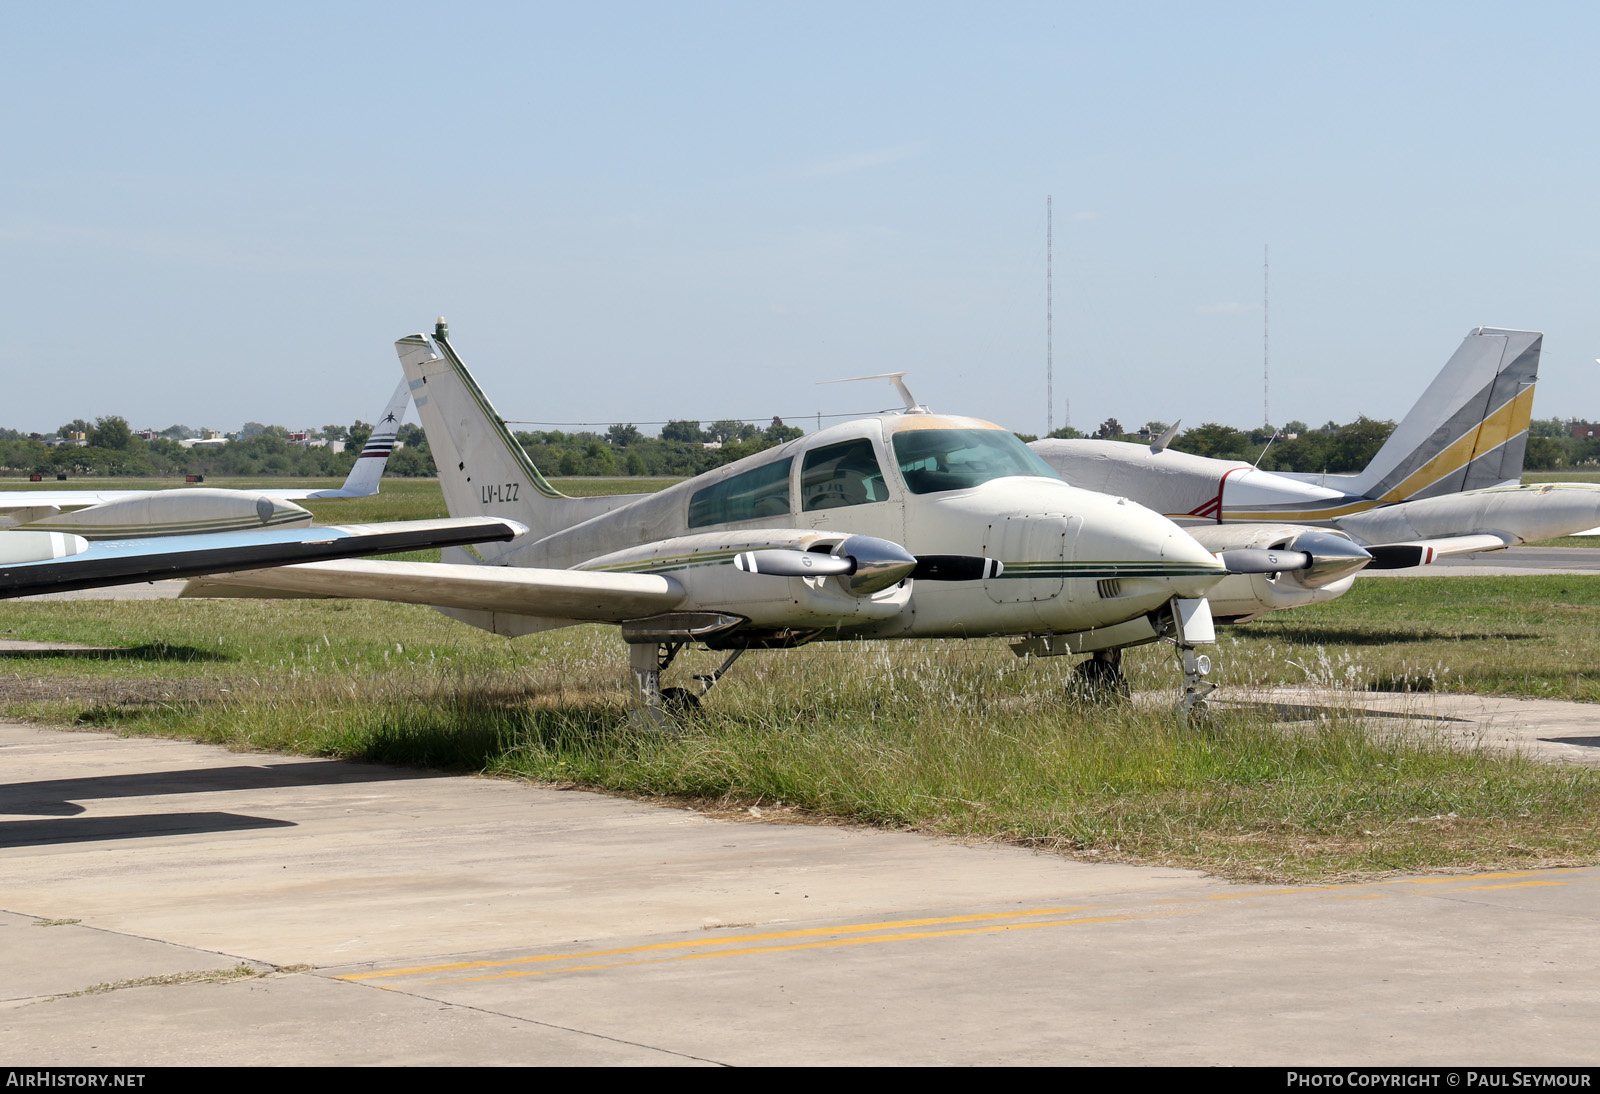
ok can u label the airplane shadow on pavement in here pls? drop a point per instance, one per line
(32, 833)
(58, 798)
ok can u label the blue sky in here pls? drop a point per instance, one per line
(634, 212)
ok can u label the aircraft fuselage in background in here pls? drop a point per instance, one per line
(1445, 482)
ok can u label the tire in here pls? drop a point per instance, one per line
(680, 700)
(1099, 681)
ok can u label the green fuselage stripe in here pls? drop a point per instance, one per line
(1013, 571)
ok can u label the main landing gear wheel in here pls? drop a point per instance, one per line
(1100, 677)
(658, 708)
(680, 700)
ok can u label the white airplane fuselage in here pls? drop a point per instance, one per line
(1074, 560)
(928, 484)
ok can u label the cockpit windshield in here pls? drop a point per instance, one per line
(932, 460)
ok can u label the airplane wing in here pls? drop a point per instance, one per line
(47, 501)
(579, 595)
(1422, 552)
(25, 506)
(50, 562)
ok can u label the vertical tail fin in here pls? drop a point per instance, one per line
(482, 468)
(1470, 428)
(367, 471)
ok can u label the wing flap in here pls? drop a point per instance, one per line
(556, 594)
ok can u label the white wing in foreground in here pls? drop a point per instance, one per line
(578, 595)
(48, 562)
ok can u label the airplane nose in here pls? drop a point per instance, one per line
(1192, 569)
(1150, 557)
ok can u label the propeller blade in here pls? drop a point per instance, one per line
(785, 562)
(1261, 560)
(956, 568)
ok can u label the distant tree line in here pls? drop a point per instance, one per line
(681, 450)
(1552, 447)
(260, 451)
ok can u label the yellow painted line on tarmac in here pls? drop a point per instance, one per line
(830, 943)
(700, 942)
(1269, 892)
(862, 934)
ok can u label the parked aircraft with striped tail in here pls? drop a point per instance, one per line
(903, 525)
(193, 510)
(1446, 482)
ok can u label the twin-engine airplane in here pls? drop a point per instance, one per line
(904, 525)
(131, 514)
(1447, 481)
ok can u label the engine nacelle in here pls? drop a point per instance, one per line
(704, 565)
(1336, 559)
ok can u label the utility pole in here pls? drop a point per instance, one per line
(1049, 318)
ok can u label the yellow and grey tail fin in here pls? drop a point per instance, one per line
(1470, 428)
(483, 471)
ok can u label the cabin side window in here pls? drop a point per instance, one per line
(760, 492)
(841, 474)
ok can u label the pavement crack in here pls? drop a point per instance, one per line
(240, 971)
(547, 1025)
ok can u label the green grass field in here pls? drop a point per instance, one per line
(1561, 476)
(959, 738)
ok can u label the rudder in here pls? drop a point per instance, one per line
(1470, 428)
(483, 471)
